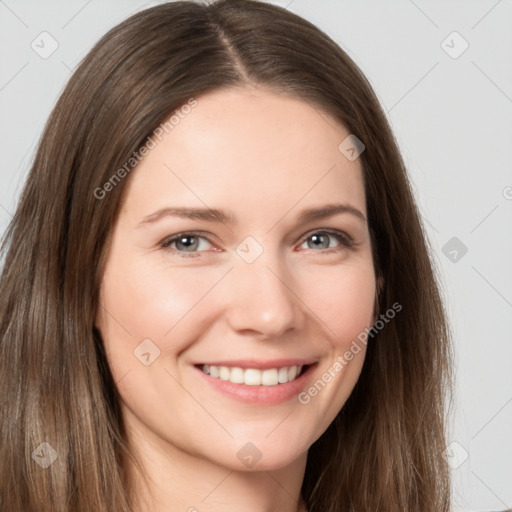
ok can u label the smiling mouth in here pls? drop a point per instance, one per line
(254, 376)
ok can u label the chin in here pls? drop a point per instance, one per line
(262, 454)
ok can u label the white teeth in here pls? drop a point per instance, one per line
(253, 376)
(292, 372)
(283, 375)
(237, 375)
(224, 373)
(269, 377)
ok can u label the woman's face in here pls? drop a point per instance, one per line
(272, 282)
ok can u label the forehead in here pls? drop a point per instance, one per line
(248, 148)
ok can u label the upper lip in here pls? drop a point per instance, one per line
(260, 364)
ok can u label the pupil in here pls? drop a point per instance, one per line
(184, 244)
(317, 238)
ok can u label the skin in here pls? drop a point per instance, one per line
(265, 158)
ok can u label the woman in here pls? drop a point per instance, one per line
(217, 292)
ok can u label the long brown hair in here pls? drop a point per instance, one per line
(385, 449)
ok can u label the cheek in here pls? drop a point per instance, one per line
(153, 302)
(344, 299)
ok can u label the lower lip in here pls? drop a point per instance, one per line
(262, 395)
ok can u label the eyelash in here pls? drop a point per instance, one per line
(346, 241)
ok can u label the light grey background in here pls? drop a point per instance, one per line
(452, 116)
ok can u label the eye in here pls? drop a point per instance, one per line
(186, 244)
(190, 244)
(322, 240)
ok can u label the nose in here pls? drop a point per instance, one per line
(261, 300)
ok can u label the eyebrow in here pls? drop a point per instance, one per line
(225, 217)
